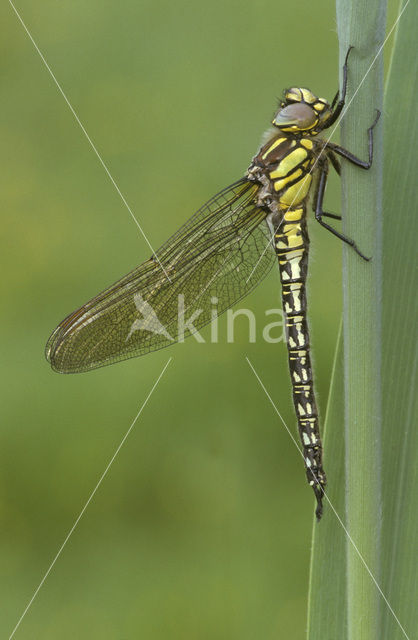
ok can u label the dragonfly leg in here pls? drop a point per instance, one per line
(363, 164)
(319, 212)
(341, 102)
(327, 214)
(335, 162)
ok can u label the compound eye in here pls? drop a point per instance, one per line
(295, 116)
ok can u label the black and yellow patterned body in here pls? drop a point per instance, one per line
(285, 169)
(285, 166)
(222, 253)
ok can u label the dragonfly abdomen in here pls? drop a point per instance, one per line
(291, 243)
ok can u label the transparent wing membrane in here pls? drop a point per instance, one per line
(211, 256)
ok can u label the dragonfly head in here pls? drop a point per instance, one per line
(301, 112)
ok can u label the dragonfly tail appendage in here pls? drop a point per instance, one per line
(292, 244)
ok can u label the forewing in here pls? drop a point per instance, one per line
(213, 261)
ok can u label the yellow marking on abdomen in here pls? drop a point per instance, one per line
(292, 242)
(291, 228)
(295, 271)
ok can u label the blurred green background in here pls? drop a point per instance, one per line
(202, 527)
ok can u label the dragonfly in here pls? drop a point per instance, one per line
(222, 252)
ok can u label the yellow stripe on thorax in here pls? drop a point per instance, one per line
(273, 146)
(308, 144)
(295, 194)
(289, 162)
